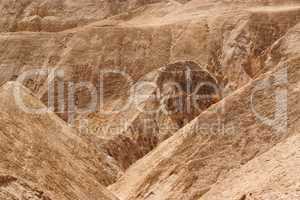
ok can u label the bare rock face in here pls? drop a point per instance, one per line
(161, 103)
(247, 47)
(224, 40)
(56, 15)
(11, 188)
(154, 99)
(41, 148)
(225, 137)
(271, 175)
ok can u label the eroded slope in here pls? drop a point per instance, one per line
(42, 149)
(160, 104)
(225, 137)
(57, 15)
(11, 188)
(228, 39)
(269, 176)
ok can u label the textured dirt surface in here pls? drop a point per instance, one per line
(155, 113)
(44, 150)
(12, 188)
(223, 138)
(269, 176)
(241, 143)
(55, 15)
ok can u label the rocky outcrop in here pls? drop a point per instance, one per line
(244, 49)
(160, 103)
(225, 41)
(143, 56)
(225, 137)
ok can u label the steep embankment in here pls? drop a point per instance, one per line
(269, 176)
(235, 41)
(228, 39)
(162, 102)
(42, 149)
(230, 134)
(12, 188)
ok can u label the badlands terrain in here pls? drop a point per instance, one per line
(149, 100)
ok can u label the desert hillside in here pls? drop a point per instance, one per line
(149, 99)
